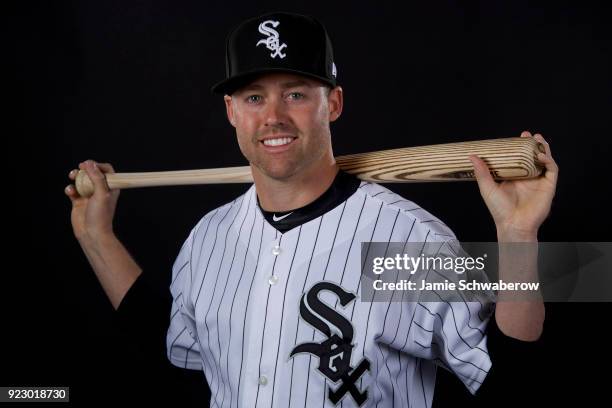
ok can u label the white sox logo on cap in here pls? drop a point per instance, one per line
(291, 42)
(272, 42)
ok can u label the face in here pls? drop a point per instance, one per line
(282, 123)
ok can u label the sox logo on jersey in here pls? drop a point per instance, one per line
(335, 352)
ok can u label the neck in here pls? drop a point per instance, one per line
(297, 190)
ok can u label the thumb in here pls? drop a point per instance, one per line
(96, 176)
(485, 180)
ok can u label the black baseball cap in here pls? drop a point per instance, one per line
(277, 42)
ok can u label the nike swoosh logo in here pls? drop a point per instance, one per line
(275, 218)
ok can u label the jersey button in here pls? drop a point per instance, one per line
(273, 279)
(263, 380)
(276, 250)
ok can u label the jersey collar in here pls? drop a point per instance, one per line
(343, 186)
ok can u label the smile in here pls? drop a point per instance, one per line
(281, 141)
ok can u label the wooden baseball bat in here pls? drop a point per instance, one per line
(508, 159)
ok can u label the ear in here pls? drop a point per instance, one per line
(335, 101)
(229, 109)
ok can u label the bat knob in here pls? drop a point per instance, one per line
(83, 184)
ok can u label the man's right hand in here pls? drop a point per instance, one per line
(92, 223)
(92, 218)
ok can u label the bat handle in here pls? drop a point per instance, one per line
(84, 185)
(115, 181)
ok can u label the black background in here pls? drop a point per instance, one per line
(128, 83)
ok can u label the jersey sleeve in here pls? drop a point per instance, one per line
(451, 330)
(181, 341)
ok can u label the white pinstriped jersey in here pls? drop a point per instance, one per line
(239, 311)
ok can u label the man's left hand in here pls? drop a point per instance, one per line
(519, 207)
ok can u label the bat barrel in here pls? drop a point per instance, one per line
(507, 158)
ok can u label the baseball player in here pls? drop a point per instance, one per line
(266, 288)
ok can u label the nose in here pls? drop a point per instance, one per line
(275, 112)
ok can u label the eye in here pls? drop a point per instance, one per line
(296, 95)
(253, 98)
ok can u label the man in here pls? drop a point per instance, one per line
(266, 288)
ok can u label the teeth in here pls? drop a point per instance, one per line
(278, 142)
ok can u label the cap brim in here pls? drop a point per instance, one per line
(229, 86)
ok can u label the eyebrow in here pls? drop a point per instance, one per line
(284, 85)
